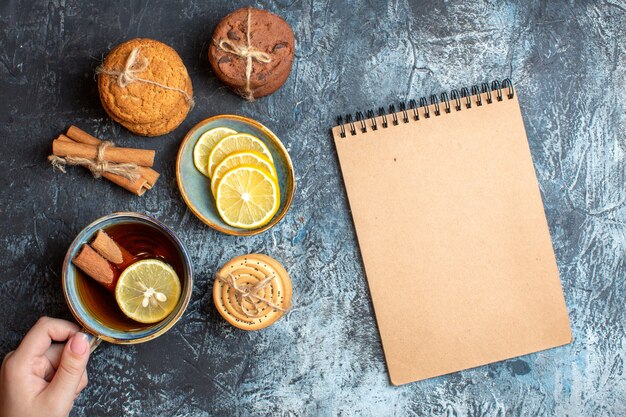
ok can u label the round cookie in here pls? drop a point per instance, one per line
(159, 127)
(142, 107)
(269, 34)
(247, 271)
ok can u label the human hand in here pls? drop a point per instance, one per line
(41, 378)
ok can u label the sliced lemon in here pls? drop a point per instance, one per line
(205, 143)
(236, 143)
(250, 158)
(247, 197)
(148, 291)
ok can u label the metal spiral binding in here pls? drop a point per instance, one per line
(446, 101)
(466, 94)
(405, 115)
(479, 97)
(472, 95)
(383, 115)
(485, 89)
(413, 106)
(361, 120)
(370, 115)
(435, 102)
(424, 105)
(394, 116)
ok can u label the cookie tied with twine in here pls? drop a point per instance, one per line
(252, 291)
(144, 86)
(252, 51)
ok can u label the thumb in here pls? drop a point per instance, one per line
(68, 375)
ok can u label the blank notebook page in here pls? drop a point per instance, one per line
(454, 239)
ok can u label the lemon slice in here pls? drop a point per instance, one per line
(148, 291)
(236, 143)
(205, 143)
(250, 158)
(247, 197)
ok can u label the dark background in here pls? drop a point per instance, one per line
(567, 59)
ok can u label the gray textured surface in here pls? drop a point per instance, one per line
(324, 358)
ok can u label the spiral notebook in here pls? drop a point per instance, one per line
(452, 232)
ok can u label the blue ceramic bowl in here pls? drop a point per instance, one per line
(196, 188)
(81, 302)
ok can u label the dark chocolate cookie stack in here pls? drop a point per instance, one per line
(252, 52)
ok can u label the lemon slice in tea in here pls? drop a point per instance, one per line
(148, 291)
(236, 143)
(247, 197)
(205, 143)
(236, 159)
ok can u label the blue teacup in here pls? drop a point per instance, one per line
(95, 308)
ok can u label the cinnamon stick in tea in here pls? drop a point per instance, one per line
(81, 136)
(111, 251)
(141, 157)
(95, 266)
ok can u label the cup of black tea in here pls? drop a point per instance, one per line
(127, 278)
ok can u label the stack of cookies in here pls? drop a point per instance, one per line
(252, 291)
(252, 51)
(145, 87)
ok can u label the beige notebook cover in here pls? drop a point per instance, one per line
(453, 235)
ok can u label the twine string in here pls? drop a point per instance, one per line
(248, 52)
(134, 65)
(97, 166)
(249, 293)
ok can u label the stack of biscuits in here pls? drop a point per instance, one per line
(252, 51)
(145, 87)
(252, 291)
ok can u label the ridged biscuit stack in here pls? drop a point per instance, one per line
(252, 291)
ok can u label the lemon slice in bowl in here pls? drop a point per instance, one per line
(250, 158)
(247, 197)
(205, 144)
(148, 291)
(236, 143)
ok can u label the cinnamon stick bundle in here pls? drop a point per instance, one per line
(80, 144)
(81, 136)
(139, 157)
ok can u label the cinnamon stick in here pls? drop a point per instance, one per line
(64, 138)
(110, 250)
(137, 187)
(150, 175)
(141, 157)
(95, 266)
(81, 136)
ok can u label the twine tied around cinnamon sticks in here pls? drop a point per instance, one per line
(250, 294)
(135, 64)
(77, 147)
(97, 166)
(248, 52)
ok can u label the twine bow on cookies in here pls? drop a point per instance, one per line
(249, 293)
(248, 52)
(98, 166)
(135, 64)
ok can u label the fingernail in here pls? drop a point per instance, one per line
(79, 344)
